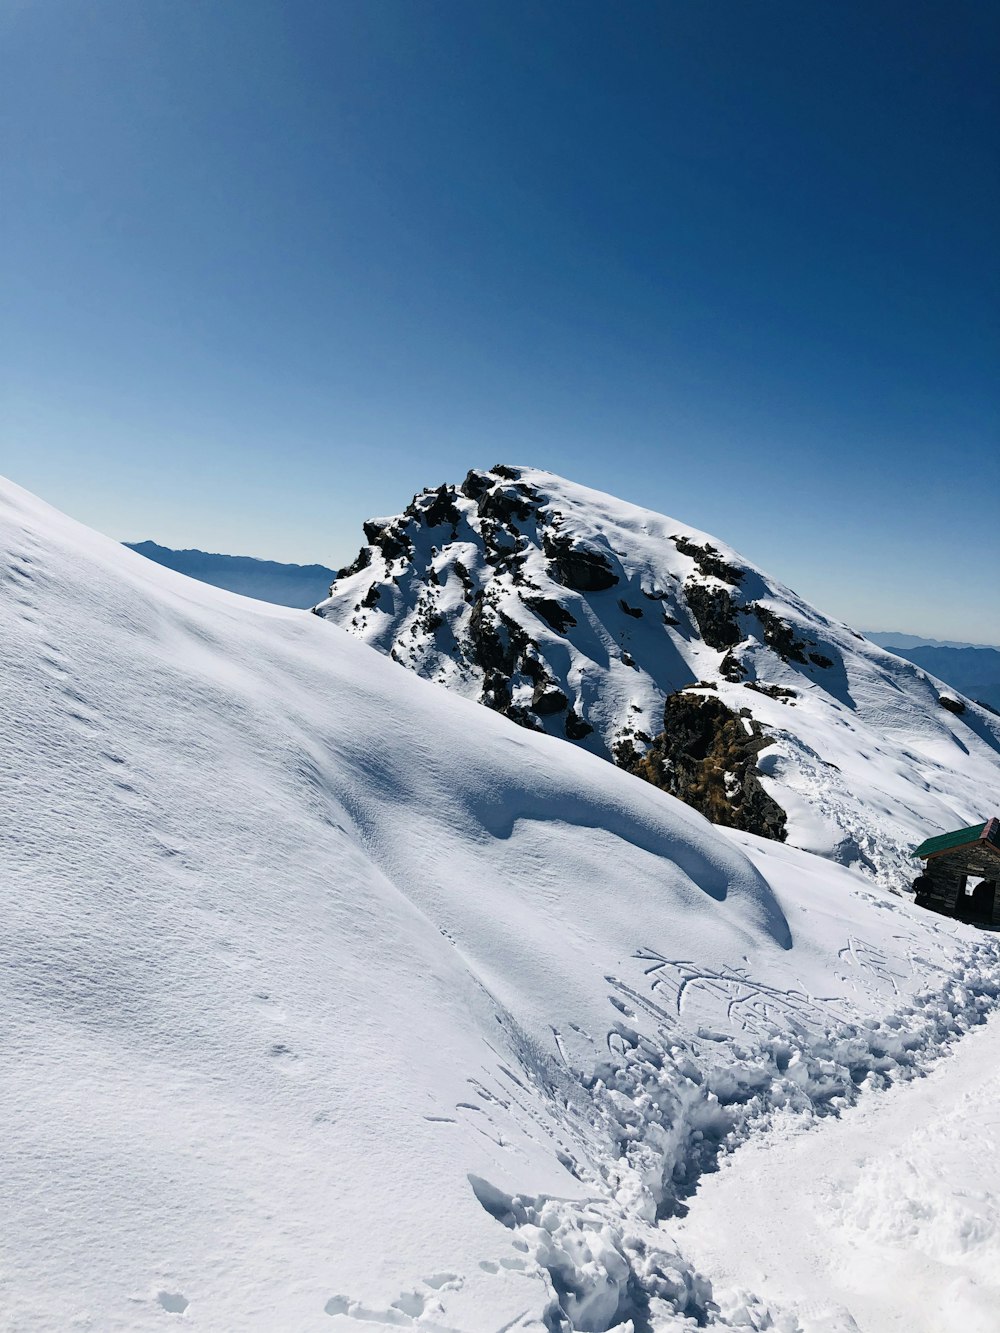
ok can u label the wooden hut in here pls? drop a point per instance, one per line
(961, 873)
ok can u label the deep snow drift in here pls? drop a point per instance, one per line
(329, 996)
(576, 612)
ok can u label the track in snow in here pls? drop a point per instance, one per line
(884, 1221)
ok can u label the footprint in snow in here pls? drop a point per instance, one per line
(408, 1310)
(172, 1301)
(443, 1282)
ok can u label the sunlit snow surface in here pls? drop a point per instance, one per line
(332, 1000)
(887, 1220)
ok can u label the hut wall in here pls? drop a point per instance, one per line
(945, 878)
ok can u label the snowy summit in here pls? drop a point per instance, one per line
(646, 641)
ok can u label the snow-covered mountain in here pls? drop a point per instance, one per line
(332, 998)
(644, 640)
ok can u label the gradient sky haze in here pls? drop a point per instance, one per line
(269, 268)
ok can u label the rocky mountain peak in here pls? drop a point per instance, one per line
(664, 651)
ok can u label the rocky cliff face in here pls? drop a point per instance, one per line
(707, 756)
(664, 651)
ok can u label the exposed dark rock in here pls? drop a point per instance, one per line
(502, 470)
(361, 561)
(498, 643)
(391, 539)
(731, 668)
(442, 509)
(779, 635)
(625, 755)
(821, 660)
(629, 660)
(552, 612)
(524, 717)
(952, 705)
(576, 567)
(428, 621)
(709, 560)
(534, 670)
(371, 597)
(373, 529)
(466, 578)
(705, 757)
(715, 612)
(548, 699)
(668, 619)
(503, 504)
(475, 484)
(499, 542)
(630, 610)
(496, 692)
(576, 728)
(772, 691)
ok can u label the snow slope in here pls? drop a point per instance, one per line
(577, 613)
(330, 997)
(901, 1196)
(974, 671)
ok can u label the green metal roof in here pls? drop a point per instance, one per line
(960, 838)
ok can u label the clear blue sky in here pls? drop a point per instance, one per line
(270, 267)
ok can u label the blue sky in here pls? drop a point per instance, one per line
(272, 267)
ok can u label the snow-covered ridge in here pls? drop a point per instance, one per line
(331, 997)
(644, 640)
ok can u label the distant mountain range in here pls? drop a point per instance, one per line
(895, 640)
(267, 580)
(975, 671)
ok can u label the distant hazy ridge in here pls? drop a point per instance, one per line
(267, 580)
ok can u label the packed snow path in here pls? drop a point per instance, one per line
(330, 997)
(884, 1221)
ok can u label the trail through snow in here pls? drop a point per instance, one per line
(886, 1220)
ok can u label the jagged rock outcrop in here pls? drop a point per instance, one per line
(552, 612)
(605, 624)
(707, 755)
(709, 561)
(714, 610)
(780, 636)
(577, 567)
